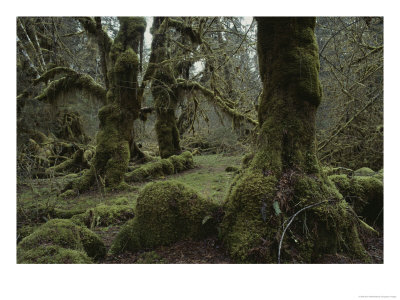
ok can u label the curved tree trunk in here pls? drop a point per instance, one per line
(284, 175)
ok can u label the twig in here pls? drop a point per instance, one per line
(290, 222)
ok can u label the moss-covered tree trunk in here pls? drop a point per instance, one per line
(115, 138)
(165, 100)
(284, 175)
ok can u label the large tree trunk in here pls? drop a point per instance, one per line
(165, 98)
(284, 175)
(115, 137)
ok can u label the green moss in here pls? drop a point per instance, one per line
(232, 169)
(112, 153)
(166, 212)
(167, 133)
(160, 168)
(246, 160)
(33, 212)
(131, 31)
(66, 213)
(379, 175)
(258, 205)
(249, 201)
(66, 234)
(69, 193)
(121, 201)
(45, 254)
(24, 231)
(297, 64)
(104, 215)
(284, 176)
(72, 82)
(364, 172)
(364, 194)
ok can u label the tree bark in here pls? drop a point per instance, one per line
(284, 175)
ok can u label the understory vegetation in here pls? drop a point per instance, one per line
(220, 140)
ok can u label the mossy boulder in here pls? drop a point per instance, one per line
(364, 172)
(104, 215)
(364, 194)
(65, 234)
(52, 254)
(166, 212)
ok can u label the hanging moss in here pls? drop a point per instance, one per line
(73, 82)
(69, 127)
(45, 254)
(166, 212)
(115, 135)
(65, 234)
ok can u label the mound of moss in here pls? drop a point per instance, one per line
(162, 167)
(166, 212)
(52, 254)
(65, 234)
(364, 172)
(364, 193)
(104, 215)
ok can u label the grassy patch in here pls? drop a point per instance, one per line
(209, 177)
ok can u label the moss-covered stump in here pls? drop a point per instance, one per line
(162, 167)
(365, 195)
(44, 254)
(259, 206)
(65, 234)
(104, 215)
(166, 212)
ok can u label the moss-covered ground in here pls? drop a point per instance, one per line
(105, 214)
(38, 201)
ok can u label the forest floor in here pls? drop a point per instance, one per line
(208, 178)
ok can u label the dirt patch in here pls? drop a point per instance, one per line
(207, 251)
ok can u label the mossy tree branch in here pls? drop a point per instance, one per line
(72, 81)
